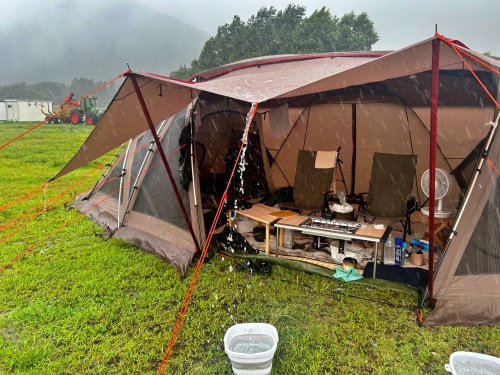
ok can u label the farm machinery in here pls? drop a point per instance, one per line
(75, 112)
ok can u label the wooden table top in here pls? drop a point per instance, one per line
(260, 212)
(293, 220)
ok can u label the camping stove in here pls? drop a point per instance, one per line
(333, 225)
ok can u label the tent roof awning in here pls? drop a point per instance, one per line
(258, 80)
(277, 77)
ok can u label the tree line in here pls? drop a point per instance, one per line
(274, 32)
(56, 92)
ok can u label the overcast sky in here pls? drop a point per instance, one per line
(399, 23)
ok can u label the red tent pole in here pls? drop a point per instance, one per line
(354, 132)
(432, 162)
(164, 159)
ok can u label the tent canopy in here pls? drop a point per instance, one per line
(360, 103)
(265, 79)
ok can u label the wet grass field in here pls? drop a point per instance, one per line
(74, 303)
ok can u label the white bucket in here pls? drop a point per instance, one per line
(471, 363)
(251, 347)
(244, 224)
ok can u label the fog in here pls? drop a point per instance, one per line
(38, 36)
(399, 23)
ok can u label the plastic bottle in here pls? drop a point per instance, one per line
(389, 254)
(399, 252)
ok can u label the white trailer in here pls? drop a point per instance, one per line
(26, 110)
(3, 111)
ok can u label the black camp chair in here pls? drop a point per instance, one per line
(389, 188)
(312, 184)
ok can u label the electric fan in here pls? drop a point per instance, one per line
(443, 185)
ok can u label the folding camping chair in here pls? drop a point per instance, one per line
(390, 185)
(313, 181)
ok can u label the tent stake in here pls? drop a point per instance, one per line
(164, 159)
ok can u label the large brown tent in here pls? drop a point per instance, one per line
(361, 102)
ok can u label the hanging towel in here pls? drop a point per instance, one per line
(325, 159)
(350, 275)
(279, 121)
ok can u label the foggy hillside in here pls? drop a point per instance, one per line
(95, 39)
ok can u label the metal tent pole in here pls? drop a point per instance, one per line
(120, 191)
(194, 158)
(191, 145)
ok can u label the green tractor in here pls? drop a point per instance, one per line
(87, 112)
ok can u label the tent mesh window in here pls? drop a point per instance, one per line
(157, 196)
(465, 170)
(480, 256)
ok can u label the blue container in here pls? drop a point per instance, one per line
(399, 259)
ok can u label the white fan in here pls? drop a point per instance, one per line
(443, 185)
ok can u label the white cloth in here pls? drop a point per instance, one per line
(342, 208)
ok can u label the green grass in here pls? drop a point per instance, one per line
(78, 304)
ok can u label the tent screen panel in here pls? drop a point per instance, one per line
(157, 196)
(112, 184)
(481, 255)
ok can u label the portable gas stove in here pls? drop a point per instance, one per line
(332, 226)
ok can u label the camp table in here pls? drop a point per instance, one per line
(262, 214)
(366, 232)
